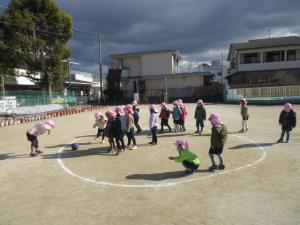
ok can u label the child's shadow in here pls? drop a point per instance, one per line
(162, 176)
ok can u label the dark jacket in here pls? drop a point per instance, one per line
(200, 113)
(136, 114)
(287, 120)
(218, 136)
(118, 133)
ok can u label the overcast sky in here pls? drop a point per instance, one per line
(200, 29)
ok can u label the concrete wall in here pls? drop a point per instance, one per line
(269, 66)
(157, 64)
(134, 64)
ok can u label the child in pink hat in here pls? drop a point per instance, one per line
(130, 127)
(164, 116)
(287, 120)
(136, 116)
(108, 131)
(153, 123)
(120, 128)
(244, 114)
(188, 159)
(100, 122)
(176, 113)
(200, 116)
(217, 141)
(182, 116)
(34, 132)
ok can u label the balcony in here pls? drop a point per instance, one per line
(269, 66)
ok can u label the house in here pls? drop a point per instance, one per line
(150, 76)
(265, 67)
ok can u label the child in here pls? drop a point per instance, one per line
(244, 114)
(108, 131)
(100, 122)
(153, 124)
(164, 116)
(287, 120)
(136, 116)
(176, 112)
(120, 128)
(200, 116)
(188, 159)
(182, 116)
(130, 127)
(32, 133)
(217, 141)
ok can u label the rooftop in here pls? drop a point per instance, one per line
(173, 51)
(265, 43)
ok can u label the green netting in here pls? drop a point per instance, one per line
(31, 98)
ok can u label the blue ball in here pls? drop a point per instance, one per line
(75, 146)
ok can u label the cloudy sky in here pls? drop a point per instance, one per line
(200, 29)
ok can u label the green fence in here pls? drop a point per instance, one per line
(32, 98)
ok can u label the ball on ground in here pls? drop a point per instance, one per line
(75, 146)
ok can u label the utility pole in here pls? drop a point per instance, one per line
(100, 65)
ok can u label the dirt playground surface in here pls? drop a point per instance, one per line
(260, 185)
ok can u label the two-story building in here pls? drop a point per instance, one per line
(149, 76)
(265, 67)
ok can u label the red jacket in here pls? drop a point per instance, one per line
(164, 114)
(184, 113)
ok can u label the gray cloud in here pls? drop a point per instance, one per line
(199, 29)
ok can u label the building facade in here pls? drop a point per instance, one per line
(151, 76)
(265, 67)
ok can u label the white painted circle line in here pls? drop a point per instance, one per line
(161, 185)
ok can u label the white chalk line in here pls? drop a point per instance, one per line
(161, 185)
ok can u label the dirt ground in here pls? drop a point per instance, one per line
(260, 185)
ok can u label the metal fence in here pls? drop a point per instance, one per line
(32, 98)
(277, 94)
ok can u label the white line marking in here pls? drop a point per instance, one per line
(161, 185)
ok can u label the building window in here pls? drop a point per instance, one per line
(275, 56)
(249, 58)
(293, 54)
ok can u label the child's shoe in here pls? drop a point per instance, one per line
(134, 147)
(34, 154)
(221, 167)
(280, 140)
(242, 131)
(212, 168)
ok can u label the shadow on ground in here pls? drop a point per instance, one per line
(251, 145)
(162, 176)
(13, 156)
(79, 153)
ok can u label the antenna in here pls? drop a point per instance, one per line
(269, 31)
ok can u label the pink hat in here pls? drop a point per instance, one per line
(120, 110)
(134, 103)
(98, 115)
(50, 123)
(111, 114)
(128, 108)
(175, 103)
(243, 100)
(153, 107)
(215, 119)
(287, 107)
(200, 102)
(164, 105)
(182, 143)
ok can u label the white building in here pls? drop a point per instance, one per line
(265, 67)
(152, 74)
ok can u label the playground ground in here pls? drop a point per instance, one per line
(260, 185)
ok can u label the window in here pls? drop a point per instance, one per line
(249, 58)
(293, 54)
(275, 56)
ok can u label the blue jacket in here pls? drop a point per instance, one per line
(176, 113)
